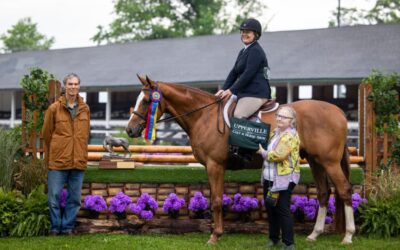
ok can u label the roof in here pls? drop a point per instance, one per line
(328, 55)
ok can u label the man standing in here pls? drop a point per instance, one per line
(66, 131)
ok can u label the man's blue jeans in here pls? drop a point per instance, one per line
(56, 179)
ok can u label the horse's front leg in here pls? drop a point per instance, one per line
(216, 178)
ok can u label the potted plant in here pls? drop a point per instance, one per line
(145, 207)
(94, 204)
(198, 205)
(118, 205)
(172, 204)
(243, 205)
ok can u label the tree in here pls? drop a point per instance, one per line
(384, 11)
(24, 36)
(154, 19)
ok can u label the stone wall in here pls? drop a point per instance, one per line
(186, 191)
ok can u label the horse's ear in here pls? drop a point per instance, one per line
(142, 80)
(152, 84)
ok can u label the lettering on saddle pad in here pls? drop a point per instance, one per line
(248, 134)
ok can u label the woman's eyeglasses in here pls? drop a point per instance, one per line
(282, 116)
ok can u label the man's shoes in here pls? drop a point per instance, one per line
(290, 247)
(54, 233)
(67, 233)
(270, 243)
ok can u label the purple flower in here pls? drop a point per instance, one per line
(356, 201)
(309, 206)
(331, 206)
(172, 204)
(328, 220)
(145, 206)
(146, 214)
(198, 203)
(95, 202)
(298, 202)
(226, 200)
(63, 198)
(243, 204)
(120, 202)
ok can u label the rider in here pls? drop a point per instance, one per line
(248, 79)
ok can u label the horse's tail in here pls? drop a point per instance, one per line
(340, 215)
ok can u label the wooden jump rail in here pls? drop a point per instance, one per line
(95, 155)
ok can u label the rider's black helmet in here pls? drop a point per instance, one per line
(252, 24)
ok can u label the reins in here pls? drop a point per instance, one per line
(219, 101)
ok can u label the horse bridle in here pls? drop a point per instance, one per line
(219, 101)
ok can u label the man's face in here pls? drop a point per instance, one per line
(72, 86)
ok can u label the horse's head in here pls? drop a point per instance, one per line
(137, 121)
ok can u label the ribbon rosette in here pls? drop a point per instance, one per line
(151, 124)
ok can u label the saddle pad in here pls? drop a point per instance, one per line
(248, 134)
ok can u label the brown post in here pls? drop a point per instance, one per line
(361, 119)
(370, 146)
(385, 144)
(23, 118)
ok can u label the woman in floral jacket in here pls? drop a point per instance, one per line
(280, 174)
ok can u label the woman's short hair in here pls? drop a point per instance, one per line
(292, 112)
(69, 76)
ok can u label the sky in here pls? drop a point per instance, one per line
(74, 22)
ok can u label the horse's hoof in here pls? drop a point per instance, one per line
(346, 242)
(213, 240)
(310, 239)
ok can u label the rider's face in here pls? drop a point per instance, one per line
(247, 36)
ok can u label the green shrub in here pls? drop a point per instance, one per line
(9, 145)
(33, 219)
(29, 174)
(10, 206)
(381, 217)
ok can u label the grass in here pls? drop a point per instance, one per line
(186, 174)
(187, 241)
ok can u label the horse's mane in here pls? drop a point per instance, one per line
(198, 92)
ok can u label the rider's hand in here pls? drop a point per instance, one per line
(219, 93)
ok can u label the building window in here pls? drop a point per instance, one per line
(103, 97)
(339, 91)
(83, 95)
(305, 92)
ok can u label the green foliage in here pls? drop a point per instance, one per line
(384, 11)
(10, 206)
(33, 219)
(188, 174)
(231, 241)
(29, 174)
(156, 19)
(9, 145)
(24, 36)
(36, 88)
(381, 217)
(385, 97)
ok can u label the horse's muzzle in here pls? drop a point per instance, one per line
(135, 131)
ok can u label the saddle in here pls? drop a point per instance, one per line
(242, 148)
(229, 109)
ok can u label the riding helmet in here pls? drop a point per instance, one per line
(252, 24)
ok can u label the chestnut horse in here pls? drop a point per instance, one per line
(322, 128)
